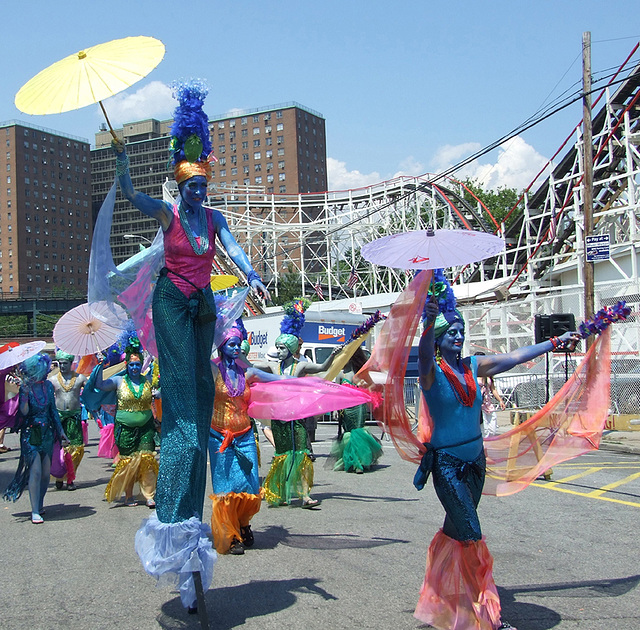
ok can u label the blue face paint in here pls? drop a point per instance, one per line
(453, 339)
(231, 348)
(134, 368)
(194, 191)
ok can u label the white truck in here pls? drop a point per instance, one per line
(321, 332)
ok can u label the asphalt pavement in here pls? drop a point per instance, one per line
(355, 562)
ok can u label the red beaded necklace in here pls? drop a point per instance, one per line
(467, 397)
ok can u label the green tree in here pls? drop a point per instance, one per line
(288, 287)
(499, 202)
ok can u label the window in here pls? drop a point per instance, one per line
(221, 124)
(256, 119)
(283, 189)
(281, 164)
(280, 139)
(281, 177)
(257, 155)
(279, 126)
(221, 137)
(256, 143)
(256, 131)
(259, 179)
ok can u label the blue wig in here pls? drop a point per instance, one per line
(190, 129)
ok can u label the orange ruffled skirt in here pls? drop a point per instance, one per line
(231, 511)
(458, 592)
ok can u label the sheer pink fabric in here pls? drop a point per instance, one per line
(571, 424)
(295, 398)
(385, 369)
(8, 408)
(107, 446)
(458, 592)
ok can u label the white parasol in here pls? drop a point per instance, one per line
(17, 355)
(83, 330)
(432, 249)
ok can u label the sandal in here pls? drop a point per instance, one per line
(36, 519)
(309, 504)
(4, 449)
(131, 502)
(236, 548)
(151, 504)
(247, 536)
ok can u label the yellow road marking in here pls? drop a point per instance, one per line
(586, 495)
(612, 486)
(584, 473)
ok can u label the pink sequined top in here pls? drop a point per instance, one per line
(180, 257)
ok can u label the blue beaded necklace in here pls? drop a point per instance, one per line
(204, 235)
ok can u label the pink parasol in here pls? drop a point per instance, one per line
(14, 356)
(83, 330)
(432, 249)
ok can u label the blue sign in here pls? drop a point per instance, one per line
(597, 247)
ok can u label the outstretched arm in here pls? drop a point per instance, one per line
(254, 375)
(497, 363)
(426, 369)
(308, 367)
(237, 254)
(106, 386)
(155, 208)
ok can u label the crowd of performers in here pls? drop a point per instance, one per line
(206, 405)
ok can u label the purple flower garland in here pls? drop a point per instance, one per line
(604, 318)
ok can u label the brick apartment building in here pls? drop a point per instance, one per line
(279, 150)
(45, 211)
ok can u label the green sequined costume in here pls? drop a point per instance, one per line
(356, 450)
(291, 473)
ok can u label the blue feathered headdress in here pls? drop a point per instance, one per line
(190, 130)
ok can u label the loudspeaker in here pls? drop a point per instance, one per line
(547, 326)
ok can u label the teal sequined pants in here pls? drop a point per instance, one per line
(184, 348)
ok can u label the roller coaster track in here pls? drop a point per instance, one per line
(317, 237)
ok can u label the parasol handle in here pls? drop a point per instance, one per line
(104, 111)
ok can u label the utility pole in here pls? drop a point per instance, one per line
(587, 180)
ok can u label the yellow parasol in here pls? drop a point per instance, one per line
(222, 281)
(90, 75)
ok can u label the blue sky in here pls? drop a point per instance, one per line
(406, 87)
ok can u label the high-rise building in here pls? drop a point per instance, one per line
(148, 150)
(279, 150)
(45, 213)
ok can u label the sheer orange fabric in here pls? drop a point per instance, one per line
(458, 592)
(385, 369)
(231, 511)
(569, 425)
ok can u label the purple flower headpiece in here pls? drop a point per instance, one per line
(604, 318)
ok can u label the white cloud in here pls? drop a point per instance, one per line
(154, 100)
(516, 165)
(410, 167)
(448, 155)
(339, 178)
